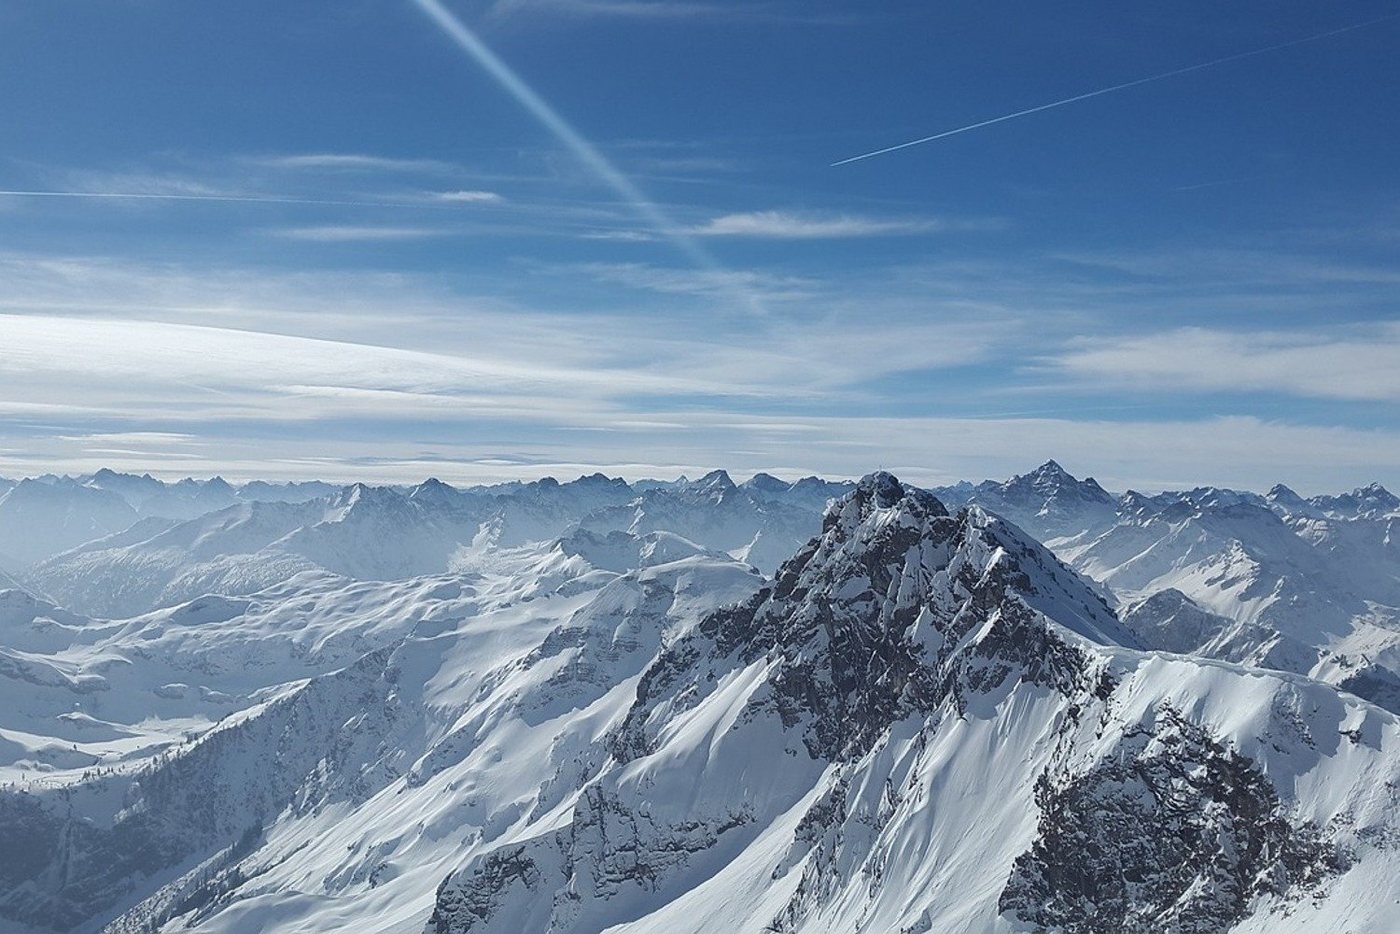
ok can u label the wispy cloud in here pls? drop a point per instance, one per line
(211, 198)
(783, 225)
(353, 162)
(1352, 363)
(712, 283)
(341, 233)
(468, 196)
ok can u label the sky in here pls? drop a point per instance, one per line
(494, 239)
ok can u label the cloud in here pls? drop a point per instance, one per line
(468, 197)
(1357, 362)
(355, 234)
(710, 283)
(353, 162)
(782, 225)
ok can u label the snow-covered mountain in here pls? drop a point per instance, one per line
(383, 533)
(923, 722)
(39, 519)
(1304, 585)
(1048, 502)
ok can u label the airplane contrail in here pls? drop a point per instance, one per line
(573, 140)
(237, 199)
(1119, 87)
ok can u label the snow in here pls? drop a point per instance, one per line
(387, 708)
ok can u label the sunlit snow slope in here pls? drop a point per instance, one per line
(923, 722)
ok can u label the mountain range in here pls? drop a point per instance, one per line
(697, 705)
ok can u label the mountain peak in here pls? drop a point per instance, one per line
(766, 483)
(715, 480)
(432, 490)
(882, 487)
(876, 494)
(599, 479)
(1375, 491)
(879, 617)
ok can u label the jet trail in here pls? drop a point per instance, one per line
(236, 199)
(1119, 87)
(574, 141)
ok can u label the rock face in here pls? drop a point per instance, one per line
(894, 609)
(1218, 838)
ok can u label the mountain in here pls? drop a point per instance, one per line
(1313, 595)
(810, 493)
(39, 519)
(190, 498)
(923, 722)
(1371, 502)
(758, 525)
(381, 533)
(1048, 502)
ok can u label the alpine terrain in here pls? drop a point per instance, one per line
(697, 706)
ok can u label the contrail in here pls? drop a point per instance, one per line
(1119, 87)
(574, 141)
(237, 199)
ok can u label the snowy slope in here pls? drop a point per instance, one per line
(759, 524)
(924, 722)
(1310, 586)
(383, 533)
(39, 519)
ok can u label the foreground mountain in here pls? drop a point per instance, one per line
(923, 722)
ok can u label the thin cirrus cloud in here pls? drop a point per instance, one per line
(468, 196)
(1356, 363)
(353, 162)
(784, 225)
(345, 233)
(708, 283)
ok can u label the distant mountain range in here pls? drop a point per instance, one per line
(697, 706)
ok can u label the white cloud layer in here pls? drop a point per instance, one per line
(1356, 362)
(784, 225)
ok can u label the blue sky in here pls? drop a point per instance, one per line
(358, 254)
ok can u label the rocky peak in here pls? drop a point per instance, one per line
(717, 480)
(432, 491)
(598, 480)
(1050, 480)
(1375, 493)
(359, 497)
(1051, 470)
(880, 498)
(897, 607)
(1284, 496)
(766, 483)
